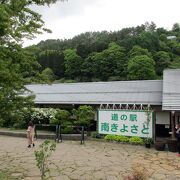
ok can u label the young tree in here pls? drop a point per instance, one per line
(42, 156)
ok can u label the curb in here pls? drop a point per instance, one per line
(75, 137)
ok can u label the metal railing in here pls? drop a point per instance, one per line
(58, 131)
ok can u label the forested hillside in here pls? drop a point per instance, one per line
(134, 53)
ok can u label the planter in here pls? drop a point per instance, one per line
(147, 145)
(172, 145)
(159, 146)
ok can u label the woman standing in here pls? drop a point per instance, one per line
(178, 138)
(30, 134)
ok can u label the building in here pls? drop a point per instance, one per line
(162, 95)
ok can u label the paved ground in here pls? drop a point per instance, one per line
(94, 160)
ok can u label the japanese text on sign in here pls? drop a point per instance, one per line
(128, 123)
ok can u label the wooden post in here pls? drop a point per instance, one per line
(173, 124)
(82, 135)
(56, 136)
(59, 133)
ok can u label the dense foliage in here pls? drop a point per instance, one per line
(134, 53)
(18, 66)
(83, 116)
(141, 52)
(62, 117)
(118, 138)
(124, 139)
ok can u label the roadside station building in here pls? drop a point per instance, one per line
(163, 96)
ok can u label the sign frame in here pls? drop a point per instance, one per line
(128, 110)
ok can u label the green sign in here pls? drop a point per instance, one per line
(125, 122)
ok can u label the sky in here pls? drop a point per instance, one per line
(73, 17)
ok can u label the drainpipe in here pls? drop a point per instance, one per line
(173, 124)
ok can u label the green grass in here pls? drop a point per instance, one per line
(6, 176)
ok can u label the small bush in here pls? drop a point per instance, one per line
(43, 115)
(136, 140)
(122, 138)
(110, 137)
(118, 138)
(61, 117)
(84, 115)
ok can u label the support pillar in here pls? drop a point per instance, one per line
(173, 124)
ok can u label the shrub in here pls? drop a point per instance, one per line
(122, 138)
(61, 117)
(16, 120)
(84, 115)
(110, 137)
(136, 140)
(118, 138)
(43, 115)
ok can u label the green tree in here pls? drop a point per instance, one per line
(148, 40)
(141, 68)
(72, 63)
(163, 61)
(62, 117)
(84, 115)
(53, 59)
(175, 47)
(175, 64)
(105, 64)
(150, 26)
(88, 67)
(116, 54)
(138, 51)
(17, 21)
(176, 27)
(47, 75)
(99, 56)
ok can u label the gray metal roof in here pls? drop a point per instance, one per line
(116, 92)
(171, 90)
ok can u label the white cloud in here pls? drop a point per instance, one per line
(77, 16)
